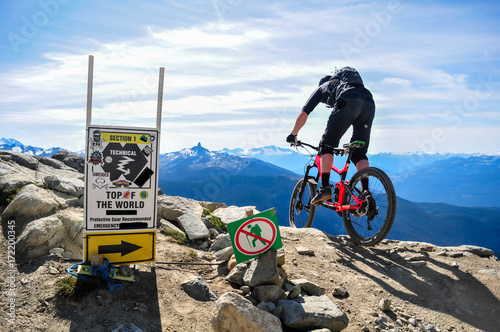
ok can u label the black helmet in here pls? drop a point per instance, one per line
(324, 79)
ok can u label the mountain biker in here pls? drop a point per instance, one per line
(352, 104)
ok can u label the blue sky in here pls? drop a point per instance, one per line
(238, 72)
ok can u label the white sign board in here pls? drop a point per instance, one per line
(121, 178)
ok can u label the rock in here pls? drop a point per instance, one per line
(295, 292)
(18, 170)
(263, 271)
(212, 206)
(231, 263)
(72, 219)
(416, 257)
(268, 293)
(125, 271)
(281, 257)
(385, 304)
(339, 291)
(56, 251)
(167, 227)
(193, 226)
(310, 312)
(304, 251)
(237, 273)
(224, 255)
(172, 207)
(381, 321)
(198, 289)
(97, 260)
(456, 254)
(67, 254)
(235, 313)
(70, 159)
(222, 241)
(213, 232)
(233, 213)
(47, 232)
(21, 159)
(310, 287)
(490, 272)
(71, 186)
(479, 251)
(30, 202)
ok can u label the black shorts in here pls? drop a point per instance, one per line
(359, 112)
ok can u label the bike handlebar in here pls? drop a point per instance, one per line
(300, 143)
(336, 151)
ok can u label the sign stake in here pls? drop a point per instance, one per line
(90, 81)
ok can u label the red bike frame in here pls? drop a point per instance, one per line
(341, 185)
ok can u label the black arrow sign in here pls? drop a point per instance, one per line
(124, 248)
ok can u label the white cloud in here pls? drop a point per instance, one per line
(396, 81)
(224, 68)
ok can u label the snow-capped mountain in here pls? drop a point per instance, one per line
(11, 144)
(199, 162)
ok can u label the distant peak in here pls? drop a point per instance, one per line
(200, 150)
(10, 141)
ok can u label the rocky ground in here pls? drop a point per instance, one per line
(442, 289)
(393, 286)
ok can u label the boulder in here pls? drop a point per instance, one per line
(193, 226)
(71, 186)
(263, 271)
(31, 202)
(221, 242)
(71, 160)
(167, 227)
(235, 313)
(18, 170)
(198, 289)
(63, 229)
(479, 251)
(48, 231)
(233, 213)
(313, 312)
(268, 293)
(237, 273)
(172, 207)
(310, 287)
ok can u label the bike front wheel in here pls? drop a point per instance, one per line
(301, 211)
(371, 223)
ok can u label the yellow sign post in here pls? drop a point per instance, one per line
(122, 247)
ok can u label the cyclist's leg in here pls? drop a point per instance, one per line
(361, 131)
(337, 125)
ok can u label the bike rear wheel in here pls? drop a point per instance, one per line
(360, 228)
(301, 211)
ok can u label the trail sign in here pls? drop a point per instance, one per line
(121, 178)
(121, 247)
(253, 236)
(121, 185)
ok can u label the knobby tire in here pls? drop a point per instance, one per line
(382, 190)
(302, 213)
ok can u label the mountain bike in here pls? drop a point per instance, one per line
(368, 213)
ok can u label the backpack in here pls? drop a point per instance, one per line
(348, 75)
(348, 78)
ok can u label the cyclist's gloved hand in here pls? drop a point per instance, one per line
(292, 139)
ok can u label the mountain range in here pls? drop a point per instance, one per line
(459, 191)
(11, 144)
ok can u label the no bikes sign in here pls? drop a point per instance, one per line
(253, 236)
